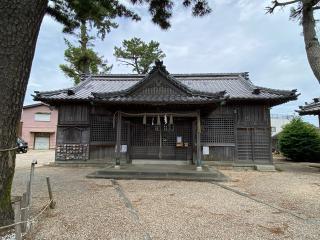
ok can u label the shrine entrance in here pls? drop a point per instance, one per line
(157, 139)
(160, 136)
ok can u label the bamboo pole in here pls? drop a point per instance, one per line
(24, 212)
(17, 219)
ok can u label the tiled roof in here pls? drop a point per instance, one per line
(236, 86)
(34, 105)
(312, 108)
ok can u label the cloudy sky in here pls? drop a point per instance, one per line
(236, 37)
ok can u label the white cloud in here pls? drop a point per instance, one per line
(237, 36)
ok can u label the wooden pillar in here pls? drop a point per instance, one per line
(118, 144)
(160, 142)
(199, 163)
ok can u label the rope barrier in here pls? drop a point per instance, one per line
(152, 114)
(8, 149)
(29, 220)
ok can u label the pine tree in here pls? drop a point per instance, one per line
(138, 54)
(83, 59)
(19, 28)
(304, 12)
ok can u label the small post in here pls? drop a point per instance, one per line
(29, 188)
(17, 219)
(24, 212)
(52, 203)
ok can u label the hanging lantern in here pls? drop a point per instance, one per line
(171, 120)
(165, 119)
(158, 120)
(144, 119)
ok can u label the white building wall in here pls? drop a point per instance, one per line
(278, 121)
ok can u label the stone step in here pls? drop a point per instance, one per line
(151, 173)
(160, 161)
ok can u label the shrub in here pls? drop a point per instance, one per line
(300, 141)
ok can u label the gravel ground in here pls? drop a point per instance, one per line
(43, 157)
(295, 187)
(86, 208)
(137, 209)
(192, 210)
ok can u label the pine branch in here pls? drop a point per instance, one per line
(275, 4)
(126, 62)
(62, 18)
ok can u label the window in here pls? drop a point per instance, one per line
(42, 117)
(217, 130)
(273, 129)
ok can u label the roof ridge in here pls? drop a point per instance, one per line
(174, 74)
(177, 76)
(118, 75)
(208, 74)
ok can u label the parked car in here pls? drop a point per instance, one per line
(22, 146)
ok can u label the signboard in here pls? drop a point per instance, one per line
(124, 148)
(205, 150)
(179, 142)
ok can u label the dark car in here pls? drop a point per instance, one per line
(22, 146)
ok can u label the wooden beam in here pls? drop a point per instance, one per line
(174, 114)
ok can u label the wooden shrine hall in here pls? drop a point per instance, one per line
(191, 118)
(312, 108)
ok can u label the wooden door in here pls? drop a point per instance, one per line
(159, 141)
(253, 144)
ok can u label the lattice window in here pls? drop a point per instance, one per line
(183, 129)
(217, 130)
(102, 129)
(144, 135)
(169, 138)
(148, 135)
(67, 152)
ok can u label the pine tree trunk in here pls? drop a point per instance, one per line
(19, 27)
(310, 38)
(84, 45)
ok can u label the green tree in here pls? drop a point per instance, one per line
(78, 59)
(138, 54)
(83, 59)
(303, 10)
(19, 28)
(300, 141)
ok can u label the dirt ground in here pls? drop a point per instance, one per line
(288, 205)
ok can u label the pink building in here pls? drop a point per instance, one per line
(39, 126)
